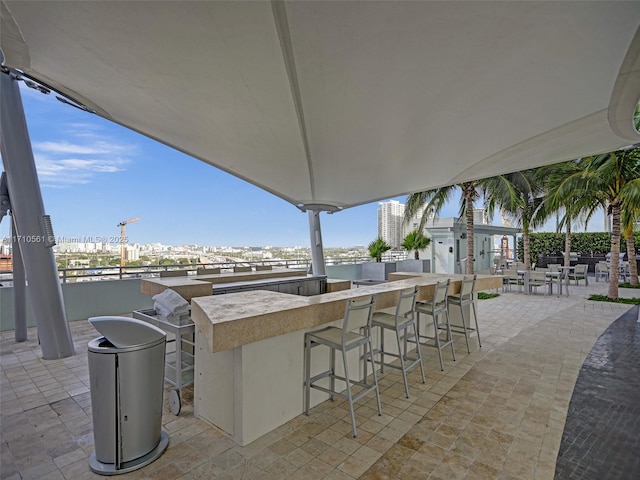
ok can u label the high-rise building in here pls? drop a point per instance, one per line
(390, 222)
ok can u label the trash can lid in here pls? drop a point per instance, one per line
(125, 332)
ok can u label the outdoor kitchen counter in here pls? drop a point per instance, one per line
(200, 285)
(250, 350)
(233, 320)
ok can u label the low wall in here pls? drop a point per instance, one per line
(348, 271)
(83, 300)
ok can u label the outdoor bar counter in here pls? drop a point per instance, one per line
(250, 351)
(202, 285)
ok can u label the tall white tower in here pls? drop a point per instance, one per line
(390, 220)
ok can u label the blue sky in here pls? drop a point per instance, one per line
(95, 174)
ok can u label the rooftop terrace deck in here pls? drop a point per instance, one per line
(497, 413)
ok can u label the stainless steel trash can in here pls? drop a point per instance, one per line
(126, 373)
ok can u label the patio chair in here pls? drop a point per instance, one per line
(554, 267)
(539, 278)
(602, 271)
(511, 277)
(625, 272)
(355, 333)
(580, 273)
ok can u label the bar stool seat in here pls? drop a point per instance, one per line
(400, 323)
(435, 307)
(466, 299)
(355, 333)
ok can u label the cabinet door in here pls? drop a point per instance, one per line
(311, 287)
(270, 288)
(290, 287)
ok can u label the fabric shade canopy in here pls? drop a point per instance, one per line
(343, 103)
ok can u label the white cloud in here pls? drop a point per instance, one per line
(66, 163)
(69, 148)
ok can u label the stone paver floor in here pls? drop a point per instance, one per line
(497, 413)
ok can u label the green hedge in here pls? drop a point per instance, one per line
(585, 243)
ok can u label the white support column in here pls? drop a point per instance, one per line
(32, 232)
(317, 254)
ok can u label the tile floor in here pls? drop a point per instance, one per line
(497, 413)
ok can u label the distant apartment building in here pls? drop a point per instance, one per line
(390, 222)
(132, 253)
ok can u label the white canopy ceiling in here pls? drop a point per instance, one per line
(344, 103)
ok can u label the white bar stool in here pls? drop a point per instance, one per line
(355, 332)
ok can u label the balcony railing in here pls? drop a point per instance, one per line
(89, 274)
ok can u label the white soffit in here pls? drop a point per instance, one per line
(344, 103)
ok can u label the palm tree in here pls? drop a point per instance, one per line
(429, 203)
(612, 181)
(559, 197)
(520, 196)
(629, 218)
(416, 241)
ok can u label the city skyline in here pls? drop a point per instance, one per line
(95, 174)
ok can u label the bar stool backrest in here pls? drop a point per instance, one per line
(440, 294)
(466, 289)
(263, 267)
(554, 267)
(241, 269)
(406, 303)
(357, 315)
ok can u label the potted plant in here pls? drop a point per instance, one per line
(377, 248)
(415, 241)
(378, 270)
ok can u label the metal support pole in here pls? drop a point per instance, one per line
(317, 254)
(32, 229)
(19, 288)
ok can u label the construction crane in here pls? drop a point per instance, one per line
(123, 238)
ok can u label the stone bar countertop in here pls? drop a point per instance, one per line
(248, 276)
(186, 287)
(200, 285)
(236, 319)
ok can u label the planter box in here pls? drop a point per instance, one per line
(412, 265)
(377, 270)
